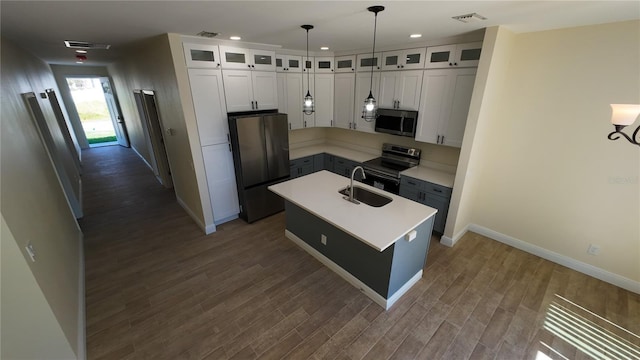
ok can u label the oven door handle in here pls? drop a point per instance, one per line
(376, 173)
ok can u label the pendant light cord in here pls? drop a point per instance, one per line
(305, 64)
(373, 53)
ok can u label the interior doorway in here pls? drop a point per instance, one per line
(98, 111)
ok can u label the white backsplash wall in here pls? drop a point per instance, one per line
(305, 137)
(439, 154)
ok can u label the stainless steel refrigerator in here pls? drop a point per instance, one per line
(260, 143)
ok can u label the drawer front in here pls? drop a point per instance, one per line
(439, 190)
(411, 183)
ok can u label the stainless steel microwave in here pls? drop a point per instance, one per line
(397, 122)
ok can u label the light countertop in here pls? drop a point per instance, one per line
(377, 227)
(421, 172)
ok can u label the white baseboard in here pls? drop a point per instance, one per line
(208, 229)
(447, 241)
(377, 298)
(81, 351)
(143, 159)
(596, 272)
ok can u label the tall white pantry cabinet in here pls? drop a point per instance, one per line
(211, 116)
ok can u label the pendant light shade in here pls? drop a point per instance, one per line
(369, 109)
(308, 105)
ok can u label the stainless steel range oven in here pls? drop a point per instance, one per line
(384, 172)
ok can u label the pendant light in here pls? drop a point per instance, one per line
(307, 104)
(369, 109)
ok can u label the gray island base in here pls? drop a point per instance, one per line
(339, 235)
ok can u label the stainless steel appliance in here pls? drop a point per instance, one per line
(260, 143)
(384, 172)
(397, 122)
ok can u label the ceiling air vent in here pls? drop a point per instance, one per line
(207, 34)
(85, 45)
(469, 18)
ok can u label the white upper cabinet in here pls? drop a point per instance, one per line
(365, 62)
(461, 55)
(323, 97)
(363, 80)
(247, 59)
(201, 56)
(308, 65)
(400, 89)
(288, 63)
(324, 65)
(343, 110)
(345, 64)
(446, 96)
(208, 101)
(290, 96)
(403, 59)
(250, 90)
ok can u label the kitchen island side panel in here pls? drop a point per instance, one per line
(409, 257)
(369, 265)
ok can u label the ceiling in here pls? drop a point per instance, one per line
(42, 26)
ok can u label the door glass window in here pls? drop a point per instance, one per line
(413, 59)
(308, 64)
(368, 62)
(202, 55)
(262, 59)
(391, 60)
(278, 63)
(344, 64)
(324, 64)
(235, 58)
(293, 63)
(470, 54)
(442, 56)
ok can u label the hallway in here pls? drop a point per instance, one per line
(158, 288)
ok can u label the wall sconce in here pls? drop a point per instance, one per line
(624, 115)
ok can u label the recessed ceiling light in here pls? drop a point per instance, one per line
(235, 38)
(81, 51)
(414, 36)
(324, 48)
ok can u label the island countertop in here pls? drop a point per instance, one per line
(379, 227)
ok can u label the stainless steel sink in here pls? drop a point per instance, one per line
(368, 197)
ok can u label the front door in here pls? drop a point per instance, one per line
(114, 110)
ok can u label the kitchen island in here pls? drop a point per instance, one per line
(380, 250)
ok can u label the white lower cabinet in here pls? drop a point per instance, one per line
(444, 105)
(363, 82)
(250, 90)
(221, 179)
(323, 97)
(343, 105)
(290, 96)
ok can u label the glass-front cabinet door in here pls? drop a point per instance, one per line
(365, 62)
(403, 59)
(461, 55)
(235, 58)
(201, 56)
(307, 64)
(468, 55)
(440, 56)
(263, 60)
(345, 64)
(324, 65)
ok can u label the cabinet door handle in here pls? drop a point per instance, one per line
(437, 190)
(256, 104)
(228, 137)
(305, 123)
(442, 140)
(249, 66)
(252, 108)
(332, 123)
(349, 125)
(230, 148)
(289, 126)
(438, 141)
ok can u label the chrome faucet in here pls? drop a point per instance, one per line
(351, 191)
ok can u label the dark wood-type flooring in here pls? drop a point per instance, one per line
(157, 288)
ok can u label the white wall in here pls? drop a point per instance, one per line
(150, 66)
(543, 173)
(35, 210)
